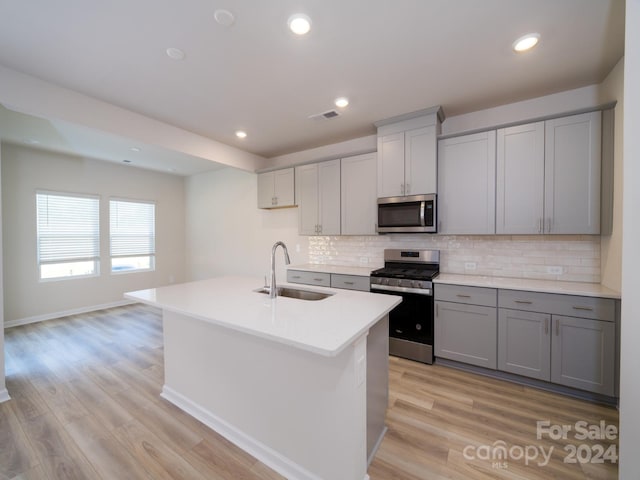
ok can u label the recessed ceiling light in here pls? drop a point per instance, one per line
(224, 17)
(526, 42)
(342, 102)
(175, 53)
(299, 23)
(134, 149)
(241, 134)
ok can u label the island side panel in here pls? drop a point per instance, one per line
(377, 384)
(302, 414)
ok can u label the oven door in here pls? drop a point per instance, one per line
(411, 327)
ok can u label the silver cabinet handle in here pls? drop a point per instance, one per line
(525, 302)
(463, 296)
(407, 188)
(295, 276)
(540, 225)
(320, 228)
(437, 309)
(349, 283)
(402, 188)
(546, 326)
(318, 279)
(579, 307)
(549, 223)
(557, 328)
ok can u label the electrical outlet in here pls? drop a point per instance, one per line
(469, 265)
(554, 270)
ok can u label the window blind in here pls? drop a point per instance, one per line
(68, 228)
(132, 228)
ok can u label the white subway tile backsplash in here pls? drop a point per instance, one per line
(523, 256)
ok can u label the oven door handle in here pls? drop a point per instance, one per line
(419, 291)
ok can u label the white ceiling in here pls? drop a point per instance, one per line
(387, 56)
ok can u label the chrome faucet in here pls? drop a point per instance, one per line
(273, 291)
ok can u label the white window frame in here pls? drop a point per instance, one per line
(147, 251)
(66, 258)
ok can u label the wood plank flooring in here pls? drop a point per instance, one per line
(86, 405)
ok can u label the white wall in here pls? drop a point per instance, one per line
(612, 88)
(228, 234)
(3, 388)
(25, 170)
(630, 328)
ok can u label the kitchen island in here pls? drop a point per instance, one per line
(302, 385)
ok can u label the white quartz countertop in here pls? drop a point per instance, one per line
(325, 327)
(543, 286)
(338, 269)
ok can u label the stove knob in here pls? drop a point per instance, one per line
(412, 284)
(418, 327)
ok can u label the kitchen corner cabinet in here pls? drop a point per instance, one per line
(358, 196)
(465, 324)
(276, 189)
(564, 339)
(466, 184)
(407, 162)
(318, 193)
(548, 176)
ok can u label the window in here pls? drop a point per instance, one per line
(133, 238)
(68, 230)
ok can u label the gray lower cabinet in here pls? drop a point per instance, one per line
(524, 345)
(465, 332)
(335, 280)
(583, 354)
(565, 339)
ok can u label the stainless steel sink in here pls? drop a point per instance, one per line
(298, 293)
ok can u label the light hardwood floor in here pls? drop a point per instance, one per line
(85, 404)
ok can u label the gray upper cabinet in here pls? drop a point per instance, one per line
(318, 193)
(407, 163)
(359, 187)
(520, 179)
(572, 174)
(466, 184)
(407, 153)
(548, 176)
(276, 189)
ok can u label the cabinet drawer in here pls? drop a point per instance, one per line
(463, 294)
(568, 305)
(309, 278)
(350, 282)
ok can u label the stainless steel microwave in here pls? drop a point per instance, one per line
(411, 214)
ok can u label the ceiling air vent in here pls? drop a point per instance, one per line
(325, 115)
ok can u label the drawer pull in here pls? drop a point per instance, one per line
(463, 296)
(546, 326)
(524, 302)
(295, 276)
(349, 283)
(557, 328)
(578, 307)
(318, 279)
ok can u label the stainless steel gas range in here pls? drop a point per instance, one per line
(409, 273)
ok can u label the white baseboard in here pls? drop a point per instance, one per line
(4, 395)
(281, 464)
(65, 313)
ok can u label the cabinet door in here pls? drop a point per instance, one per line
(420, 161)
(520, 179)
(358, 202)
(524, 343)
(307, 194)
(265, 190)
(329, 197)
(583, 354)
(283, 186)
(466, 333)
(466, 184)
(391, 165)
(572, 174)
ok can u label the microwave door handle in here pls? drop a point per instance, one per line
(422, 221)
